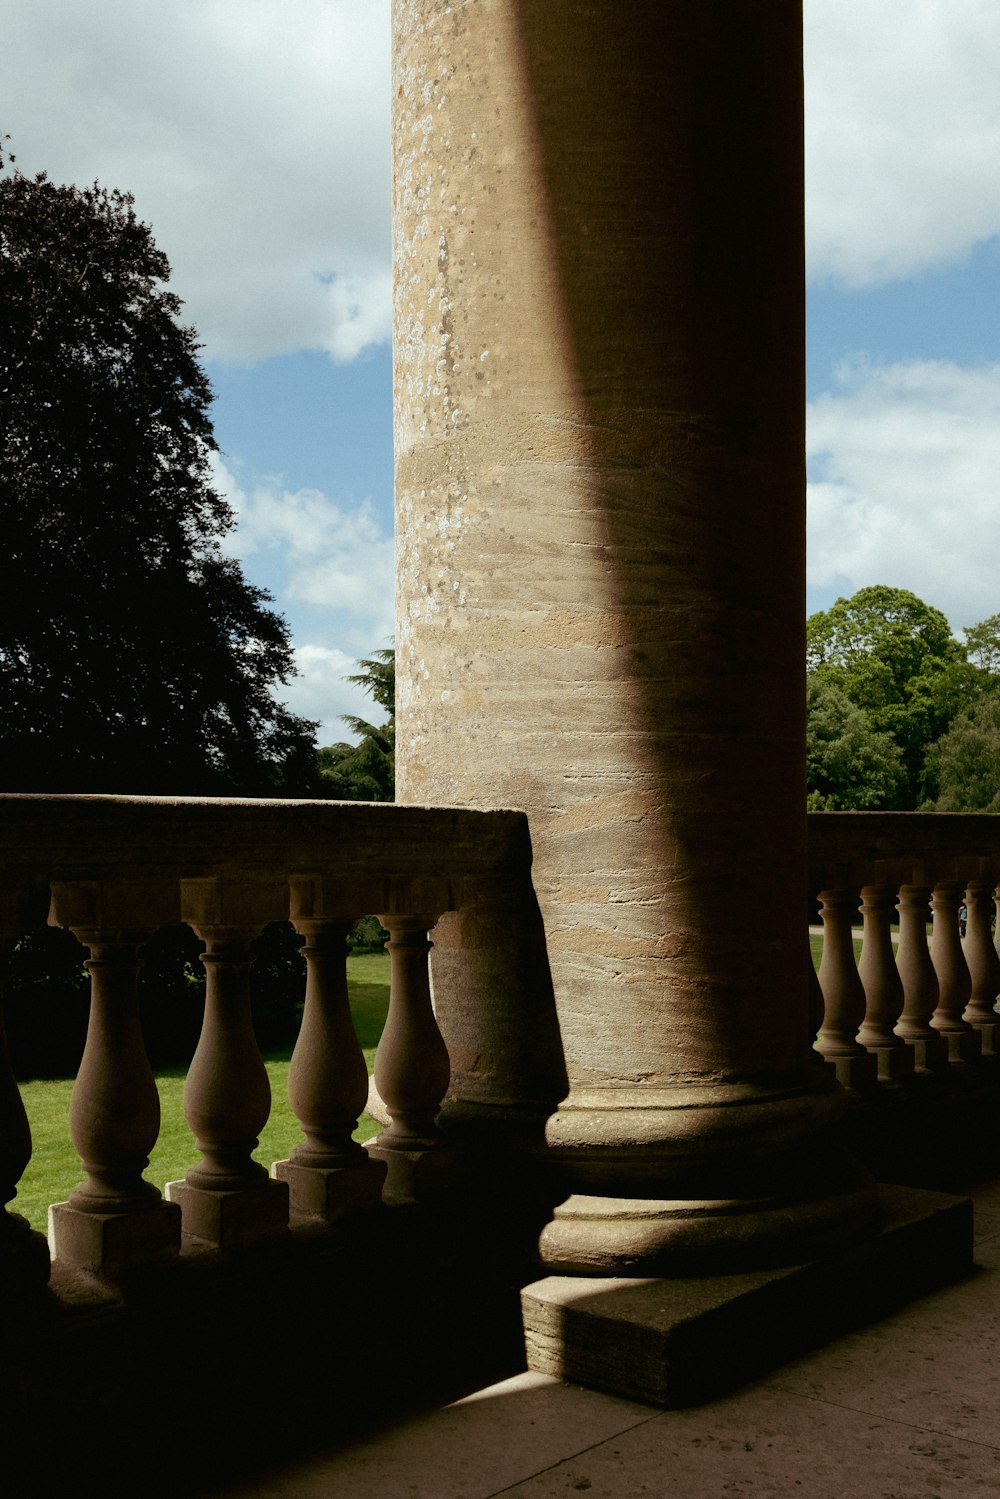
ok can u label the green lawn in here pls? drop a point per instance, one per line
(55, 1169)
(816, 948)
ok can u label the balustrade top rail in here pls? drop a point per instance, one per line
(70, 838)
(894, 848)
(285, 858)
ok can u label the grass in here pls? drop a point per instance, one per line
(816, 949)
(55, 1169)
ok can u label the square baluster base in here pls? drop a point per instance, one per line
(417, 1175)
(106, 1243)
(857, 1072)
(963, 1046)
(989, 1033)
(894, 1062)
(328, 1194)
(930, 1053)
(227, 1220)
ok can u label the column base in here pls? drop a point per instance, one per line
(330, 1193)
(228, 1220)
(703, 1176)
(106, 1243)
(676, 1342)
(642, 1236)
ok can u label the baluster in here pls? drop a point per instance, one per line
(228, 1199)
(954, 982)
(24, 1254)
(330, 1174)
(984, 965)
(843, 994)
(920, 985)
(116, 1217)
(412, 1069)
(814, 999)
(882, 985)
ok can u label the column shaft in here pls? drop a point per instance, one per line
(600, 518)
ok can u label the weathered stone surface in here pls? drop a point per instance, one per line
(231, 1220)
(600, 521)
(106, 1243)
(676, 1341)
(329, 1195)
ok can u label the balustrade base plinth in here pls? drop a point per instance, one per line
(315, 1192)
(104, 1244)
(674, 1342)
(230, 1219)
(418, 1175)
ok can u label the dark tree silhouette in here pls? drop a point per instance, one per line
(134, 656)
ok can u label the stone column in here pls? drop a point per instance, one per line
(600, 520)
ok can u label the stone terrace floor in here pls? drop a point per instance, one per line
(908, 1408)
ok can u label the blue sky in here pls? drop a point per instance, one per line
(255, 137)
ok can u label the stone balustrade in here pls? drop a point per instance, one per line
(931, 1002)
(910, 1022)
(114, 870)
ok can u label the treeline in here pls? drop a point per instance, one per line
(901, 716)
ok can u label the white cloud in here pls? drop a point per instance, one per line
(336, 561)
(320, 692)
(255, 137)
(905, 460)
(902, 135)
(332, 557)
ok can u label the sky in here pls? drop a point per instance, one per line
(254, 135)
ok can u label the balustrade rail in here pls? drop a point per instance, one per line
(931, 1003)
(919, 1003)
(905, 1008)
(116, 869)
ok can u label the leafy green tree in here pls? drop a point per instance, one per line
(880, 633)
(894, 657)
(366, 771)
(134, 656)
(849, 765)
(964, 765)
(982, 643)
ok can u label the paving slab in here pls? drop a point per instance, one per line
(931, 1365)
(769, 1444)
(472, 1449)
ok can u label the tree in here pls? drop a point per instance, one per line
(849, 765)
(964, 765)
(982, 643)
(887, 632)
(366, 771)
(894, 657)
(134, 656)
